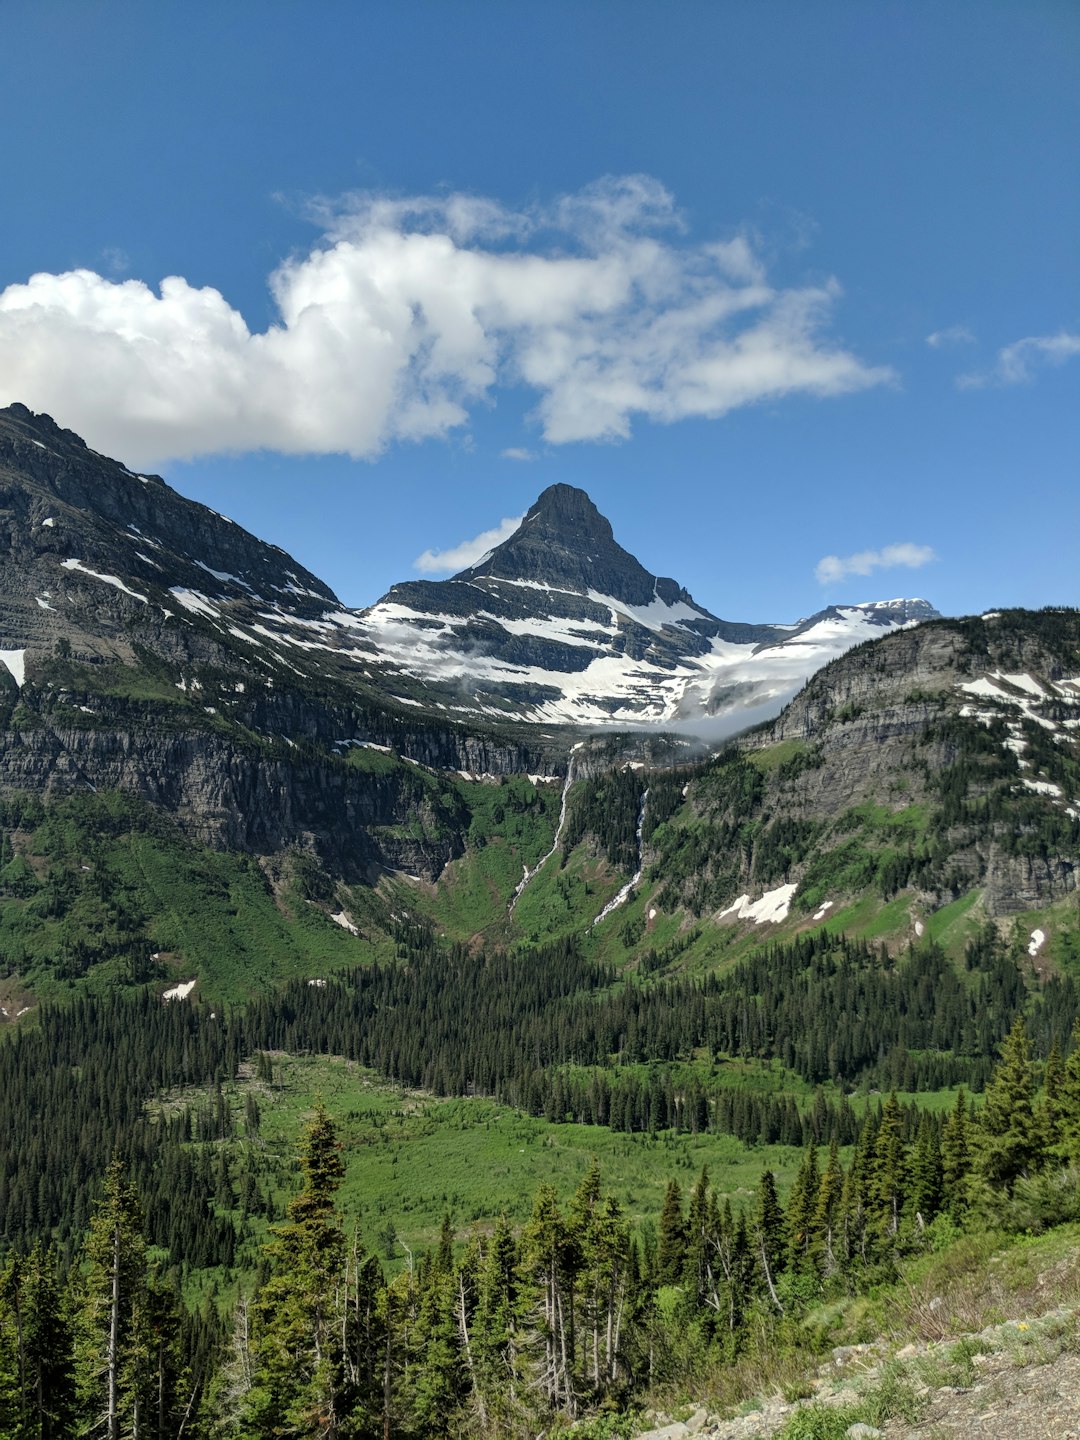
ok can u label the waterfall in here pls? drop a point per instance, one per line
(636, 880)
(530, 874)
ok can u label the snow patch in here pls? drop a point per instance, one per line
(346, 924)
(770, 909)
(1042, 787)
(819, 914)
(196, 602)
(15, 661)
(1037, 941)
(181, 991)
(113, 580)
(49, 523)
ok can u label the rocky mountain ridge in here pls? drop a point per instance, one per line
(560, 624)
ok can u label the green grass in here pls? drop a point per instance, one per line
(773, 756)
(953, 925)
(104, 894)
(410, 1158)
(511, 824)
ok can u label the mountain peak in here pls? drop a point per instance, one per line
(564, 543)
(567, 508)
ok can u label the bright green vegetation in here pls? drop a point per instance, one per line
(579, 1312)
(773, 756)
(410, 1158)
(100, 891)
(511, 825)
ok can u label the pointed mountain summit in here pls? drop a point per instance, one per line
(559, 623)
(564, 543)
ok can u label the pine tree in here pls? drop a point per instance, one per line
(771, 1236)
(297, 1350)
(888, 1173)
(956, 1158)
(924, 1196)
(1011, 1140)
(1053, 1087)
(110, 1327)
(1069, 1120)
(496, 1330)
(671, 1245)
(827, 1212)
(800, 1211)
(548, 1272)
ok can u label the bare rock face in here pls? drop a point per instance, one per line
(979, 718)
(157, 647)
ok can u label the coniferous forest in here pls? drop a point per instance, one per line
(109, 1203)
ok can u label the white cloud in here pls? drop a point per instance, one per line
(1016, 363)
(465, 555)
(409, 313)
(952, 335)
(518, 452)
(836, 567)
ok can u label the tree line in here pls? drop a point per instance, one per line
(497, 1333)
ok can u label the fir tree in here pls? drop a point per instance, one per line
(112, 1313)
(771, 1236)
(956, 1157)
(1011, 1140)
(297, 1377)
(671, 1243)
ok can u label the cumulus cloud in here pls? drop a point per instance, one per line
(1017, 363)
(409, 313)
(518, 452)
(837, 567)
(465, 555)
(952, 335)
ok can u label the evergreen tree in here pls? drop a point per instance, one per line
(1011, 1140)
(297, 1350)
(671, 1243)
(888, 1172)
(924, 1196)
(112, 1384)
(1069, 1104)
(800, 1211)
(1053, 1087)
(827, 1209)
(771, 1236)
(956, 1158)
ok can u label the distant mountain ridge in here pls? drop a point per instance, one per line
(570, 627)
(557, 625)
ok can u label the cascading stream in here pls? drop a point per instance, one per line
(623, 894)
(531, 874)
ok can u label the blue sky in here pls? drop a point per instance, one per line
(686, 256)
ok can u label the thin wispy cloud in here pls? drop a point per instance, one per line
(465, 555)
(408, 314)
(952, 335)
(1018, 363)
(518, 452)
(832, 568)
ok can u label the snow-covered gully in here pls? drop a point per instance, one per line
(623, 894)
(531, 874)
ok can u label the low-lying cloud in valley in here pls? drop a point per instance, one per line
(409, 313)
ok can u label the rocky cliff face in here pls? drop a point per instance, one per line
(151, 645)
(976, 721)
